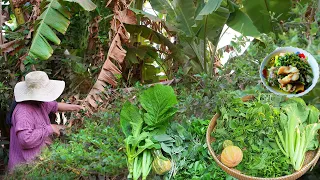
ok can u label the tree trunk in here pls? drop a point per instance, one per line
(18, 13)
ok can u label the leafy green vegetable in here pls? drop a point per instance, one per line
(185, 144)
(291, 59)
(299, 127)
(158, 102)
(252, 126)
(140, 126)
(131, 120)
(146, 163)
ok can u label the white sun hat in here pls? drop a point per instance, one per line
(38, 87)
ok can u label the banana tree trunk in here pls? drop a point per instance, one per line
(136, 39)
(17, 12)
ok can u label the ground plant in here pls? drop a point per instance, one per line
(113, 55)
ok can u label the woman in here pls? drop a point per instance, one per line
(31, 128)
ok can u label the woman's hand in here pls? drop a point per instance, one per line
(56, 129)
(78, 107)
(62, 107)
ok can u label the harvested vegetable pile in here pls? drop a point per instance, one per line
(140, 125)
(257, 125)
(289, 72)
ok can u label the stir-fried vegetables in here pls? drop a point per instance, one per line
(289, 72)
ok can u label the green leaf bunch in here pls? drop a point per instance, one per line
(300, 124)
(252, 126)
(140, 125)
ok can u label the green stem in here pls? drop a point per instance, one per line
(205, 46)
(267, 7)
(292, 135)
(279, 145)
(137, 168)
(286, 140)
(301, 154)
(138, 5)
(298, 142)
(130, 161)
(146, 164)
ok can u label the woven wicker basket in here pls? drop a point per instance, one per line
(310, 160)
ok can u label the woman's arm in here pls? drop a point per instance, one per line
(62, 107)
(28, 136)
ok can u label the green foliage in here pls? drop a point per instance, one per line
(54, 16)
(299, 124)
(87, 5)
(95, 149)
(158, 102)
(131, 120)
(185, 144)
(242, 23)
(100, 156)
(252, 126)
(199, 25)
(262, 19)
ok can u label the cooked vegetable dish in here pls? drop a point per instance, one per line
(288, 72)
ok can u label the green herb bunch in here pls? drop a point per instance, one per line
(140, 125)
(252, 126)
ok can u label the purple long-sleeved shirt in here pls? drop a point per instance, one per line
(31, 130)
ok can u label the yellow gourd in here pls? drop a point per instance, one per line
(231, 156)
(160, 164)
(227, 143)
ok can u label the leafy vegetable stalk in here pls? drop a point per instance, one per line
(146, 163)
(137, 168)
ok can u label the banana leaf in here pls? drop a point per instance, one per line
(54, 17)
(259, 11)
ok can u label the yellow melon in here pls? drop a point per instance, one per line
(231, 156)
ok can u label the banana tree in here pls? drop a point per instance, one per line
(199, 26)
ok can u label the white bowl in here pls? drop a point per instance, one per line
(311, 60)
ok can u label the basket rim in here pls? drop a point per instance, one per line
(233, 171)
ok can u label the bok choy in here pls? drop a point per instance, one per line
(300, 124)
